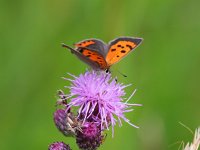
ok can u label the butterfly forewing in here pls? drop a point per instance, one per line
(93, 44)
(120, 47)
(82, 57)
(95, 51)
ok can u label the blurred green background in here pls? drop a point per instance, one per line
(165, 68)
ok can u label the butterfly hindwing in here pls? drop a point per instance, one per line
(120, 47)
(90, 57)
(94, 57)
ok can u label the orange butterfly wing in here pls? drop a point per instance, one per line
(93, 44)
(85, 43)
(121, 47)
(94, 57)
(92, 52)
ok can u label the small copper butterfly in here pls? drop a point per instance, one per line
(101, 56)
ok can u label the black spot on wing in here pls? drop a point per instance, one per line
(123, 51)
(129, 46)
(135, 40)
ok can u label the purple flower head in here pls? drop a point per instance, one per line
(99, 98)
(90, 138)
(90, 130)
(65, 122)
(59, 120)
(59, 146)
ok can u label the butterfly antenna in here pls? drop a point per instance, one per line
(66, 46)
(122, 74)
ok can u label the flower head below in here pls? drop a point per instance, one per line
(196, 141)
(99, 99)
(59, 146)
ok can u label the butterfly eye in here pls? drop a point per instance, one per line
(107, 71)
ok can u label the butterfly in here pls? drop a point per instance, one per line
(101, 56)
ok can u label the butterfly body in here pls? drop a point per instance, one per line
(101, 56)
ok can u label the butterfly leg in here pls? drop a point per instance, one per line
(62, 100)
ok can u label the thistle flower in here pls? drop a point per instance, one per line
(59, 120)
(196, 141)
(59, 146)
(99, 98)
(65, 122)
(90, 138)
